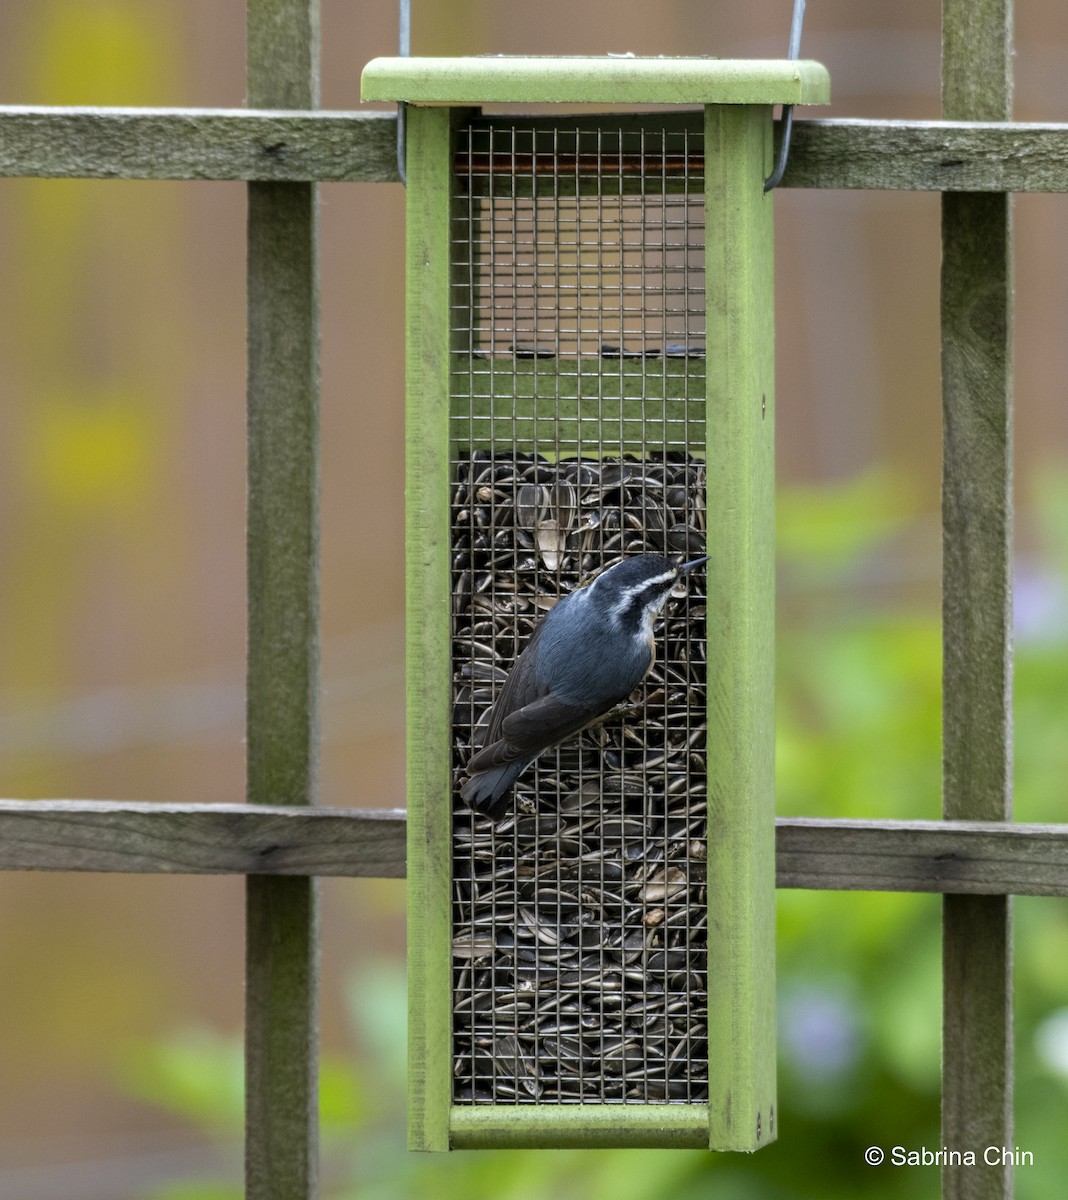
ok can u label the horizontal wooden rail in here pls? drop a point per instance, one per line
(200, 839)
(198, 143)
(211, 839)
(929, 156)
(258, 144)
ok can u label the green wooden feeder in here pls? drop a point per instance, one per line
(596, 967)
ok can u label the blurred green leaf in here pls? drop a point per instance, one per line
(196, 1072)
(194, 1190)
(828, 527)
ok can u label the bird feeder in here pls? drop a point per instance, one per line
(590, 375)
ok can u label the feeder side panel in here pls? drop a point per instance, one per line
(741, 578)
(428, 285)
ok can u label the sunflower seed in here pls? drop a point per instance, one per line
(580, 917)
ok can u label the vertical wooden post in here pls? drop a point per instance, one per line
(977, 1070)
(429, 625)
(739, 267)
(283, 566)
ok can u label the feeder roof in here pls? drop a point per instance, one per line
(620, 79)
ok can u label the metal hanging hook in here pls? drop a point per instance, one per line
(775, 178)
(404, 45)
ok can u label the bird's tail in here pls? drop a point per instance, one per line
(487, 791)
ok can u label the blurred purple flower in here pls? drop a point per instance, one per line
(820, 1029)
(1040, 605)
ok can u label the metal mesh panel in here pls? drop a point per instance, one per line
(577, 433)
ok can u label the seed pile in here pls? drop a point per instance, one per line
(579, 918)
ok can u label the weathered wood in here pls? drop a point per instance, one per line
(977, 53)
(281, 1038)
(283, 493)
(957, 857)
(977, 1037)
(192, 143)
(977, 506)
(281, 949)
(928, 156)
(202, 839)
(340, 146)
(977, 1033)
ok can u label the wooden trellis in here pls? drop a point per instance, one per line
(976, 856)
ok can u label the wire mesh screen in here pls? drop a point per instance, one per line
(577, 438)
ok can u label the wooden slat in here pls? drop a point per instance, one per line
(341, 146)
(194, 143)
(283, 491)
(430, 288)
(281, 973)
(202, 839)
(977, 1033)
(957, 857)
(929, 156)
(740, 453)
(977, 503)
(281, 1038)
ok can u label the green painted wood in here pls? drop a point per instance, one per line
(641, 402)
(281, 990)
(976, 310)
(429, 289)
(608, 80)
(741, 626)
(579, 1126)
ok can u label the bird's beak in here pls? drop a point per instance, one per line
(696, 563)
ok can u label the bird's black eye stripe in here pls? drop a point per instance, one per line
(634, 602)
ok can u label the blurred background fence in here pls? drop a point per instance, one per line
(122, 518)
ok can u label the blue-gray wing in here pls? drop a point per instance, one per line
(535, 727)
(527, 717)
(546, 699)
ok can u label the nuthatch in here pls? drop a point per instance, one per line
(588, 652)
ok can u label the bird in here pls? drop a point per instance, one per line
(589, 652)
